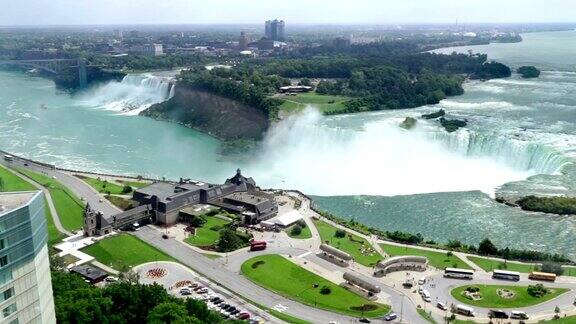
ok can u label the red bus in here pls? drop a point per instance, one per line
(257, 245)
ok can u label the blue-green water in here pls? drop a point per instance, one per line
(520, 139)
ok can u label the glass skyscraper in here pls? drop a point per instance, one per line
(25, 282)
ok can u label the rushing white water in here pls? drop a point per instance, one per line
(133, 94)
(383, 159)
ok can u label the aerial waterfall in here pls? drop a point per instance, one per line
(133, 94)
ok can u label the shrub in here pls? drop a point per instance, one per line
(340, 233)
(365, 307)
(325, 290)
(301, 223)
(296, 230)
(537, 290)
(257, 264)
(472, 289)
(552, 268)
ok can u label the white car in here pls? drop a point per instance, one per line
(422, 281)
(185, 291)
(442, 306)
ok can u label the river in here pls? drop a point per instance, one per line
(520, 138)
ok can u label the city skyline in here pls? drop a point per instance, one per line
(104, 12)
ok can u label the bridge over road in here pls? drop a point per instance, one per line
(54, 66)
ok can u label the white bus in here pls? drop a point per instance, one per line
(8, 158)
(506, 275)
(458, 273)
(464, 310)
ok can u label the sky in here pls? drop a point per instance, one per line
(97, 12)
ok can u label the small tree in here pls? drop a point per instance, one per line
(296, 230)
(126, 189)
(486, 247)
(552, 268)
(449, 254)
(340, 233)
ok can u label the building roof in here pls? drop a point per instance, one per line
(165, 190)
(239, 180)
(288, 219)
(89, 272)
(14, 200)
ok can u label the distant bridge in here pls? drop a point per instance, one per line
(54, 66)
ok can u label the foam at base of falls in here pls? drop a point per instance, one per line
(382, 159)
(130, 96)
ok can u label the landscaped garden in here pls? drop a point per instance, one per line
(496, 296)
(124, 250)
(208, 233)
(439, 260)
(69, 207)
(278, 274)
(299, 230)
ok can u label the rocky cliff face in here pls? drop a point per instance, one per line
(218, 116)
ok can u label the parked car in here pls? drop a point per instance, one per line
(391, 317)
(422, 281)
(185, 291)
(442, 306)
(197, 288)
(519, 315)
(407, 284)
(111, 279)
(243, 316)
(498, 314)
(234, 312)
(202, 291)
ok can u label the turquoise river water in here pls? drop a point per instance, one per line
(520, 139)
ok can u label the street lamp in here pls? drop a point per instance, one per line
(401, 307)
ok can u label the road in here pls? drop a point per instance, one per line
(233, 281)
(443, 286)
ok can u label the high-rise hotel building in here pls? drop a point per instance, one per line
(25, 283)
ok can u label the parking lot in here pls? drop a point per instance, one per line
(184, 283)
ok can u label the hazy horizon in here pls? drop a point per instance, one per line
(297, 12)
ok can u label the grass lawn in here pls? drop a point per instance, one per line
(305, 234)
(325, 103)
(569, 271)
(278, 274)
(12, 182)
(207, 234)
(54, 236)
(125, 250)
(426, 315)
(489, 265)
(351, 245)
(134, 184)
(490, 298)
(69, 207)
(120, 202)
(102, 186)
(438, 260)
(562, 320)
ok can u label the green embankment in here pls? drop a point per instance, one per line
(356, 246)
(491, 299)
(325, 103)
(123, 250)
(209, 233)
(439, 260)
(489, 265)
(12, 182)
(278, 274)
(69, 207)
